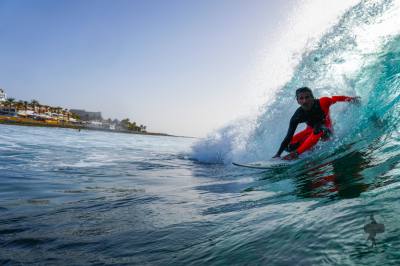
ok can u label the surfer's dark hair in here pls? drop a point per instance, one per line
(304, 89)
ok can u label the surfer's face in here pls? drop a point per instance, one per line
(305, 100)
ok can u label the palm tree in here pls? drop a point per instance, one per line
(39, 107)
(34, 103)
(59, 110)
(11, 102)
(133, 126)
(125, 123)
(75, 116)
(26, 105)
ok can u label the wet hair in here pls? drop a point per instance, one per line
(304, 89)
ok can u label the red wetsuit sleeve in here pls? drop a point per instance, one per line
(326, 102)
(336, 99)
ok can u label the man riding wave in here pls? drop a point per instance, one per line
(315, 113)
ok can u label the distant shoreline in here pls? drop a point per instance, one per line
(17, 121)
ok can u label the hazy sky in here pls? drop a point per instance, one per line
(179, 67)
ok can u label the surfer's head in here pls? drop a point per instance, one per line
(305, 98)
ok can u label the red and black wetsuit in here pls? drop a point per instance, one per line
(318, 123)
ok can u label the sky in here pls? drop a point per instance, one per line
(181, 67)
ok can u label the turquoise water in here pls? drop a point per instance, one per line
(94, 198)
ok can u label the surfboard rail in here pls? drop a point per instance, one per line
(264, 165)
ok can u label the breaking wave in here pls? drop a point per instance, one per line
(358, 55)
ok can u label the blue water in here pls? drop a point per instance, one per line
(95, 198)
(80, 198)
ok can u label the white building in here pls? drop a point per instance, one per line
(3, 96)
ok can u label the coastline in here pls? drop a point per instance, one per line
(11, 120)
(19, 121)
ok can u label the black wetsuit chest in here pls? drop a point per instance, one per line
(314, 117)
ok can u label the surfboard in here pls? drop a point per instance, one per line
(273, 164)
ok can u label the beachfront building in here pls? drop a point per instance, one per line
(3, 96)
(6, 108)
(87, 116)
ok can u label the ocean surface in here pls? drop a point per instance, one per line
(93, 198)
(98, 198)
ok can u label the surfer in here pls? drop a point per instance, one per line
(315, 113)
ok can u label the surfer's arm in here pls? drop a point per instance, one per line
(292, 128)
(336, 99)
(326, 102)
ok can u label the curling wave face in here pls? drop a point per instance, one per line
(360, 55)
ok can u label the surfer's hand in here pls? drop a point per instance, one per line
(291, 156)
(326, 133)
(356, 100)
